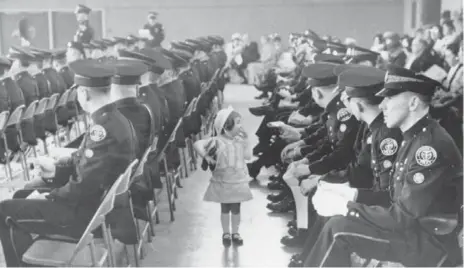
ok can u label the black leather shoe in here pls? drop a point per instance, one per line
(291, 223)
(276, 197)
(261, 110)
(293, 241)
(295, 263)
(295, 257)
(226, 240)
(262, 96)
(292, 231)
(253, 169)
(275, 185)
(286, 205)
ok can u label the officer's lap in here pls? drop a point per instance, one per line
(39, 216)
(365, 240)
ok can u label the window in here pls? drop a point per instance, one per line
(413, 14)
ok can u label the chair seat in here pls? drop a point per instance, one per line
(56, 253)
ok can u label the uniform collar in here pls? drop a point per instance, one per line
(333, 104)
(378, 121)
(100, 114)
(419, 126)
(130, 101)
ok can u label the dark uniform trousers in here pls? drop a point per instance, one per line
(425, 180)
(106, 150)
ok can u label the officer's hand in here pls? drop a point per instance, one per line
(210, 160)
(37, 195)
(328, 203)
(342, 189)
(288, 149)
(301, 170)
(290, 134)
(308, 184)
(47, 166)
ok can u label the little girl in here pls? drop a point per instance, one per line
(229, 184)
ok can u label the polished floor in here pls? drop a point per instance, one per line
(194, 239)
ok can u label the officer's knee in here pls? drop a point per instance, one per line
(336, 224)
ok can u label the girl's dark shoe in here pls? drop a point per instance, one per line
(237, 239)
(226, 240)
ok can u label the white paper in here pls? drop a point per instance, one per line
(436, 73)
(36, 195)
(238, 59)
(276, 124)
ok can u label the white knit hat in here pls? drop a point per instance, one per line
(221, 118)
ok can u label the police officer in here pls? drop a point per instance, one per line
(56, 81)
(5, 64)
(375, 147)
(75, 51)
(107, 149)
(424, 178)
(36, 72)
(156, 30)
(85, 32)
(362, 56)
(124, 95)
(21, 61)
(61, 65)
(149, 93)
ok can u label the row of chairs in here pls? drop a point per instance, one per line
(92, 251)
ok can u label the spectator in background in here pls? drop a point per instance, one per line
(406, 41)
(448, 36)
(445, 16)
(421, 57)
(451, 94)
(267, 60)
(249, 54)
(394, 53)
(378, 43)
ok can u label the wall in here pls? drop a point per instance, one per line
(360, 19)
(451, 5)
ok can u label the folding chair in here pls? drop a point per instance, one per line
(39, 124)
(27, 130)
(13, 144)
(171, 187)
(51, 125)
(3, 120)
(46, 252)
(61, 112)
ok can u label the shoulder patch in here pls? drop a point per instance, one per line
(388, 146)
(97, 133)
(342, 127)
(426, 156)
(343, 115)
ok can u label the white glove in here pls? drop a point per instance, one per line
(46, 165)
(328, 203)
(342, 189)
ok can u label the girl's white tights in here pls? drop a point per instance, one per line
(227, 220)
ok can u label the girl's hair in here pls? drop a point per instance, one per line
(230, 122)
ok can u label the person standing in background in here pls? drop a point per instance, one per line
(84, 33)
(156, 30)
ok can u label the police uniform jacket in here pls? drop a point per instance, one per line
(424, 180)
(174, 93)
(191, 85)
(57, 83)
(84, 36)
(15, 93)
(67, 75)
(4, 98)
(157, 103)
(140, 119)
(106, 150)
(375, 151)
(42, 83)
(28, 86)
(337, 150)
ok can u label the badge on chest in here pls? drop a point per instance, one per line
(97, 133)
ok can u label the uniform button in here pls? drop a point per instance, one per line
(352, 213)
(328, 116)
(373, 161)
(398, 178)
(401, 169)
(357, 215)
(331, 128)
(424, 129)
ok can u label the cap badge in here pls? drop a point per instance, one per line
(342, 127)
(388, 146)
(97, 133)
(387, 164)
(88, 153)
(343, 115)
(426, 156)
(418, 178)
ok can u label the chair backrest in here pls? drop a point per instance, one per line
(152, 121)
(126, 178)
(30, 111)
(3, 119)
(52, 103)
(16, 116)
(172, 138)
(63, 99)
(141, 167)
(41, 106)
(72, 97)
(106, 206)
(154, 144)
(189, 109)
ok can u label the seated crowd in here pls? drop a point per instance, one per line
(130, 95)
(366, 149)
